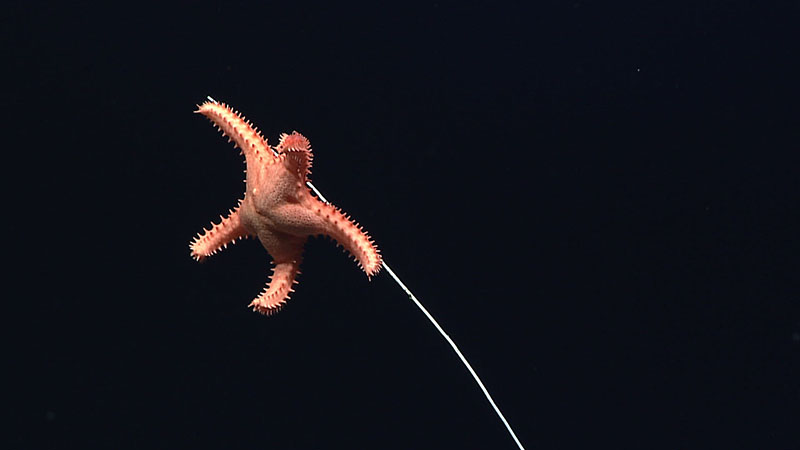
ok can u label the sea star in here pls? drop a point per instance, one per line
(278, 208)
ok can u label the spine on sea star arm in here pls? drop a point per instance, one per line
(234, 126)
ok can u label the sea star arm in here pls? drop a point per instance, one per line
(234, 126)
(295, 151)
(311, 217)
(287, 253)
(351, 236)
(228, 231)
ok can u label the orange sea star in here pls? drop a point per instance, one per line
(278, 208)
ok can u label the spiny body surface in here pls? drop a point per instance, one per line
(278, 208)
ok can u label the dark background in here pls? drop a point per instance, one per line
(599, 202)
